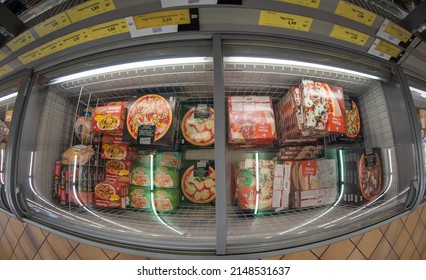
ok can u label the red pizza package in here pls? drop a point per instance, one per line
(251, 120)
(111, 194)
(118, 169)
(114, 148)
(109, 119)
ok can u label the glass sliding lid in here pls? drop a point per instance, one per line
(108, 147)
(312, 147)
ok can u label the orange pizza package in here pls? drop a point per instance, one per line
(196, 125)
(114, 148)
(150, 121)
(111, 193)
(363, 175)
(118, 170)
(323, 108)
(251, 120)
(109, 119)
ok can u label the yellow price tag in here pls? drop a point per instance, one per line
(307, 3)
(30, 56)
(349, 35)
(388, 49)
(108, 29)
(124, 172)
(115, 197)
(397, 32)
(283, 20)
(52, 24)
(90, 9)
(20, 41)
(49, 48)
(73, 39)
(355, 13)
(162, 19)
(5, 69)
(2, 55)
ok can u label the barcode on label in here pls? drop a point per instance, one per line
(145, 141)
(157, 29)
(202, 163)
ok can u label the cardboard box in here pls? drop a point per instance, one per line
(198, 181)
(113, 148)
(196, 127)
(109, 119)
(166, 199)
(140, 197)
(118, 170)
(111, 194)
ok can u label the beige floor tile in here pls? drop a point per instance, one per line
(401, 243)
(60, 245)
(10, 235)
(2, 254)
(404, 218)
(267, 258)
(382, 250)
(338, 251)
(355, 240)
(37, 257)
(392, 256)
(45, 232)
(418, 231)
(416, 256)
(17, 227)
(129, 257)
(35, 235)
(408, 251)
(73, 243)
(19, 253)
(411, 222)
(14, 257)
(110, 254)
(369, 242)
(4, 219)
(7, 249)
(73, 256)
(423, 216)
(87, 252)
(384, 228)
(319, 251)
(356, 255)
(421, 245)
(393, 231)
(28, 246)
(424, 254)
(304, 255)
(47, 253)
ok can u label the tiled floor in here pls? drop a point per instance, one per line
(403, 239)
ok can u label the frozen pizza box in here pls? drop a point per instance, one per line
(141, 174)
(323, 108)
(421, 115)
(111, 194)
(166, 177)
(362, 176)
(140, 197)
(251, 120)
(150, 121)
(198, 181)
(165, 199)
(109, 119)
(118, 169)
(196, 127)
(113, 148)
(167, 159)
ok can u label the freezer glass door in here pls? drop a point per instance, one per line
(318, 145)
(8, 92)
(109, 140)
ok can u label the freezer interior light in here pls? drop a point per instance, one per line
(9, 96)
(295, 63)
(132, 66)
(421, 92)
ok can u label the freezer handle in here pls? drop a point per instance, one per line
(412, 194)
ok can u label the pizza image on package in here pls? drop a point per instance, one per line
(199, 189)
(150, 109)
(370, 175)
(198, 130)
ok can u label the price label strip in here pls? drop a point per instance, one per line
(349, 35)
(5, 69)
(163, 22)
(355, 13)
(177, 3)
(89, 9)
(284, 20)
(3, 55)
(307, 3)
(52, 24)
(20, 41)
(386, 50)
(108, 29)
(394, 33)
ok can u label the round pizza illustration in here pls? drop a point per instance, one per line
(197, 189)
(353, 121)
(151, 109)
(198, 131)
(370, 178)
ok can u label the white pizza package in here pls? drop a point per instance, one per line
(311, 110)
(362, 175)
(196, 125)
(251, 120)
(150, 121)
